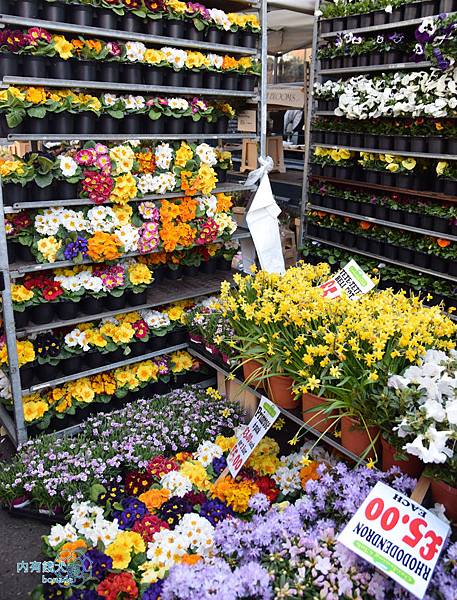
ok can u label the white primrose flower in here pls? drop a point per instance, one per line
(163, 156)
(206, 452)
(176, 483)
(175, 56)
(135, 51)
(67, 165)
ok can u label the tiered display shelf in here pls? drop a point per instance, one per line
(158, 294)
(351, 177)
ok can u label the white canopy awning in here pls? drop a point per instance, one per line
(290, 29)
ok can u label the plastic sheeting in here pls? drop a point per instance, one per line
(288, 29)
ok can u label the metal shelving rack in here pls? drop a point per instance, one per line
(317, 75)
(169, 292)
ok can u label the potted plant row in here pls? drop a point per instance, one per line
(43, 67)
(382, 211)
(432, 144)
(388, 57)
(189, 26)
(406, 11)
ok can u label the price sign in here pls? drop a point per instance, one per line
(352, 279)
(397, 535)
(266, 414)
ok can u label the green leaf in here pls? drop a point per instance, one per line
(117, 506)
(37, 112)
(116, 114)
(96, 490)
(44, 180)
(15, 117)
(198, 24)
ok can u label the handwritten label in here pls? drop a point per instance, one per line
(352, 279)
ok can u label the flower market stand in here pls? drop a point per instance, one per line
(379, 178)
(135, 147)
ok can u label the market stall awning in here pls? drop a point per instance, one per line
(289, 29)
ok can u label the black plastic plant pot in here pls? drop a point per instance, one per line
(20, 318)
(221, 175)
(159, 388)
(81, 15)
(440, 224)
(138, 349)
(86, 123)
(246, 83)
(214, 36)
(343, 139)
(132, 124)
(6, 7)
(396, 15)
(330, 137)
(176, 29)
(13, 192)
(38, 194)
(404, 181)
(38, 126)
(366, 20)
(173, 78)
(66, 191)
(65, 123)
(374, 246)
(108, 125)
(449, 187)
(209, 266)
(23, 253)
(195, 80)
(222, 125)
(35, 66)
(418, 144)
(153, 75)
(193, 127)
(132, 74)
(209, 127)
(385, 142)
(411, 219)
(48, 372)
(194, 34)
(155, 127)
(386, 179)
(420, 259)
(156, 27)
(343, 172)
(43, 313)
(248, 39)
(352, 22)
(66, 310)
(436, 145)
(404, 254)
(426, 222)
(366, 209)
(111, 72)
(178, 336)
(379, 17)
(174, 126)
(106, 19)
(115, 302)
(96, 359)
(451, 144)
(55, 12)
(446, 6)
(10, 65)
(452, 268)
(62, 69)
(91, 306)
(159, 274)
(391, 251)
(371, 176)
(326, 26)
(230, 82)
(353, 207)
(115, 356)
(361, 243)
(213, 81)
(411, 11)
(86, 70)
(132, 23)
(338, 24)
(328, 171)
(173, 274)
(137, 299)
(157, 342)
(402, 143)
(428, 8)
(230, 38)
(438, 264)
(27, 9)
(381, 213)
(27, 376)
(72, 365)
(396, 216)
(190, 271)
(371, 141)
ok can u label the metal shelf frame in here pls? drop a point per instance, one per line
(377, 28)
(14, 424)
(343, 213)
(124, 87)
(320, 75)
(33, 205)
(376, 68)
(384, 259)
(126, 35)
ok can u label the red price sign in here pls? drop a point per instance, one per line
(389, 518)
(397, 535)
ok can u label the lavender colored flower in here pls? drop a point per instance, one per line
(259, 503)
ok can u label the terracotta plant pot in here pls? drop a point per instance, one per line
(355, 438)
(446, 495)
(280, 388)
(412, 467)
(249, 369)
(323, 422)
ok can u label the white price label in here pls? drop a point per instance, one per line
(352, 279)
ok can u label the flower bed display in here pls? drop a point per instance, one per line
(343, 351)
(117, 173)
(170, 530)
(28, 52)
(167, 17)
(108, 444)
(55, 408)
(102, 233)
(423, 251)
(28, 110)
